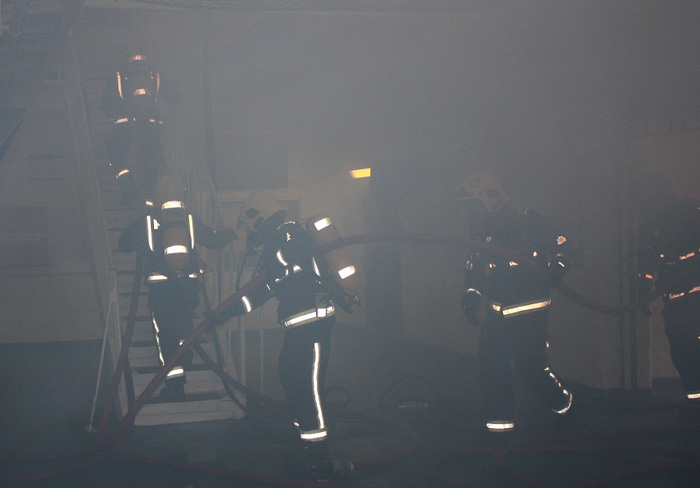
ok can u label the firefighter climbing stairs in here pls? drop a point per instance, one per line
(206, 398)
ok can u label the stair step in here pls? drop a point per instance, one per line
(186, 412)
(190, 397)
(197, 381)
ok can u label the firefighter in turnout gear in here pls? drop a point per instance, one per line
(167, 237)
(130, 102)
(668, 255)
(509, 299)
(307, 297)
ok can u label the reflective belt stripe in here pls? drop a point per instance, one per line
(140, 91)
(122, 173)
(122, 120)
(155, 277)
(520, 308)
(500, 425)
(308, 316)
(176, 250)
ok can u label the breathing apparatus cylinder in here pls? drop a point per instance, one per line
(324, 231)
(176, 225)
(178, 236)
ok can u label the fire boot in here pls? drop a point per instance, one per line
(312, 462)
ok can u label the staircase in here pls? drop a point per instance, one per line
(33, 32)
(207, 398)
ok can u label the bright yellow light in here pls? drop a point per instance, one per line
(361, 173)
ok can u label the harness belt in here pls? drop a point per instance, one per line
(307, 316)
(520, 308)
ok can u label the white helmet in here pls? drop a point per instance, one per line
(484, 187)
(259, 206)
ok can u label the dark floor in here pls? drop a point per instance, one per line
(616, 440)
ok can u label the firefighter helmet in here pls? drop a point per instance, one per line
(141, 82)
(484, 188)
(258, 208)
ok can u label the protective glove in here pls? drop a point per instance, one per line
(346, 301)
(470, 305)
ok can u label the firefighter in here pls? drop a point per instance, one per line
(668, 254)
(308, 297)
(130, 102)
(509, 298)
(167, 236)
